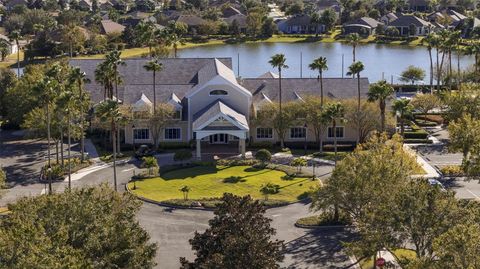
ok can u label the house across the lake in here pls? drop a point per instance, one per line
(212, 105)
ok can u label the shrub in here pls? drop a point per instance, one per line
(325, 219)
(417, 141)
(182, 155)
(263, 155)
(268, 189)
(3, 178)
(299, 163)
(263, 144)
(229, 162)
(452, 170)
(55, 173)
(174, 145)
(150, 162)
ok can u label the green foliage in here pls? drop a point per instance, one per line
(150, 162)
(83, 228)
(412, 74)
(185, 190)
(3, 178)
(234, 241)
(263, 155)
(452, 171)
(325, 219)
(299, 163)
(182, 155)
(269, 188)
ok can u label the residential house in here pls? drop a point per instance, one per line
(85, 5)
(419, 5)
(323, 5)
(134, 18)
(275, 13)
(192, 21)
(411, 25)
(212, 106)
(240, 20)
(300, 24)
(111, 27)
(230, 11)
(388, 18)
(12, 46)
(362, 26)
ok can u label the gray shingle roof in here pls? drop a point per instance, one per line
(292, 88)
(215, 108)
(178, 76)
(370, 22)
(407, 20)
(110, 27)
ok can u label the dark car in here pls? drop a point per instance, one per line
(143, 151)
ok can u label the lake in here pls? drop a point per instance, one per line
(381, 61)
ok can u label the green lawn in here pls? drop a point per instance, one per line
(401, 253)
(209, 181)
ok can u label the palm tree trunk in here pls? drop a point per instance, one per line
(431, 69)
(321, 107)
(175, 49)
(114, 145)
(438, 71)
(354, 47)
(282, 144)
(116, 96)
(56, 152)
(18, 58)
(69, 153)
(48, 149)
(82, 131)
(402, 127)
(358, 108)
(61, 147)
(382, 115)
(334, 129)
(154, 95)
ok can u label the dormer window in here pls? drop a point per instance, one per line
(218, 92)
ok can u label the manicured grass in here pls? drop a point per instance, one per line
(11, 60)
(210, 181)
(401, 253)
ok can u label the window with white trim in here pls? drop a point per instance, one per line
(172, 133)
(141, 134)
(340, 132)
(298, 132)
(264, 133)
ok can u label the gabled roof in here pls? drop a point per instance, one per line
(142, 104)
(216, 110)
(324, 4)
(268, 74)
(301, 19)
(230, 11)
(190, 20)
(110, 27)
(389, 17)
(240, 18)
(365, 21)
(407, 20)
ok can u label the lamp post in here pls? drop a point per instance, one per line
(133, 138)
(305, 142)
(49, 171)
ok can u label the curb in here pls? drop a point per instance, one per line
(322, 227)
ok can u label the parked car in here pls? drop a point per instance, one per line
(143, 151)
(435, 182)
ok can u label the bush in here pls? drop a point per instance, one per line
(452, 170)
(430, 117)
(229, 162)
(182, 155)
(263, 144)
(417, 141)
(151, 164)
(263, 155)
(3, 178)
(299, 163)
(268, 189)
(173, 145)
(55, 173)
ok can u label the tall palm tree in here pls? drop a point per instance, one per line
(353, 39)
(320, 64)
(355, 69)
(333, 113)
(80, 78)
(431, 41)
(146, 34)
(109, 111)
(46, 89)
(104, 76)
(67, 102)
(381, 92)
(15, 36)
(278, 61)
(403, 109)
(474, 49)
(174, 35)
(114, 61)
(155, 66)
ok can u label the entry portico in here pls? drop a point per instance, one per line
(220, 119)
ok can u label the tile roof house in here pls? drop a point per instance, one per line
(362, 26)
(213, 106)
(111, 27)
(411, 25)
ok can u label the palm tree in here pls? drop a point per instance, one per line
(355, 69)
(353, 39)
(46, 89)
(403, 109)
(146, 34)
(334, 112)
(474, 49)
(320, 64)
(15, 36)
(174, 35)
(80, 77)
(109, 111)
(114, 61)
(278, 61)
(431, 41)
(104, 76)
(68, 103)
(381, 92)
(155, 66)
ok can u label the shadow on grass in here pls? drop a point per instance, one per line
(191, 172)
(233, 179)
(298, 182)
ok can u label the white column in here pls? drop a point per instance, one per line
(198, 154)
(242, 147)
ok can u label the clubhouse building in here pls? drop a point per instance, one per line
(213, 107)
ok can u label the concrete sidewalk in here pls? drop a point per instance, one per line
(430, 171)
